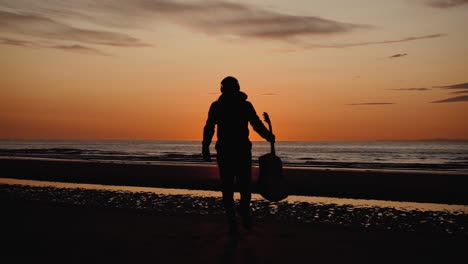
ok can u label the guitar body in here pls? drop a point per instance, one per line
(271, 185)
(270, 179)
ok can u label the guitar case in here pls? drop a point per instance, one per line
(271, 183)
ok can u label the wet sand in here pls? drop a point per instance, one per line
(59, 225)
(366, 214)
(417, 186)
(52, 232)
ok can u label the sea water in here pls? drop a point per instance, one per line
(399, 155)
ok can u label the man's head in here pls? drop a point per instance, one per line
(229, 85)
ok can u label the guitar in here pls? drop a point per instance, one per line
(271, 184)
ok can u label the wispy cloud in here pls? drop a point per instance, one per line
(211, 17)
(79, 49)
(460, 92)
(16, 42)
(446, 3)
(348, 45)
(32, 44)
(412, 89)
(462, 98)
(459, 86)
(241, 20)
(373, 103)
(216, 18)
(269, 94)
(454, 86)
(43, 27)
(398, 55)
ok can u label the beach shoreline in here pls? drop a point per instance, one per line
(416, 186)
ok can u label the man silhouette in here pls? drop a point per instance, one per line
(232, 113)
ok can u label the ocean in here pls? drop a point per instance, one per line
(395, 155)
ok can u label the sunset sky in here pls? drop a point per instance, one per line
(323, 69)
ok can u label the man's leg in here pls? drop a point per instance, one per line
(227, 189)
(245, 187)
(226, 173)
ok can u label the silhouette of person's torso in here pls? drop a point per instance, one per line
(232, 113)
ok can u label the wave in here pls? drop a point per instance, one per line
(456, 164)
(88, 154)
(383, 165)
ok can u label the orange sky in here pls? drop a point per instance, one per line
(323, 70)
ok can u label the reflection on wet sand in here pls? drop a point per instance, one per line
(375, 214)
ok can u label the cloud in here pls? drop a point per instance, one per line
(241, 20)
(269, 94)
(79, 49)
(348, 45)
(446, 3)
(72, 48)
(398, 55)
(373, 103)
(216, 18)
(412, 89)
(459, 92)
(43, 27)
(211, 17)
(462, 98)
(454, 86)
(16, 42)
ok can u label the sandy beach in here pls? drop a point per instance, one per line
(57, 224)
(396, 185)
(47, 232)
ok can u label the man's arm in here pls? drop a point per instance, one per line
(208, 132)
(258, 125)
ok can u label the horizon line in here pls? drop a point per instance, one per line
(192, 140)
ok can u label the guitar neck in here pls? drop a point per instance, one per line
(272, 144)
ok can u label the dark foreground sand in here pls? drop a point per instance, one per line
(46, 232)
(47, 225)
